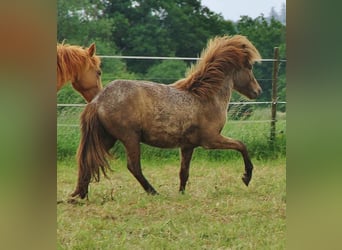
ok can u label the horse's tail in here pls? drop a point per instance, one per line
(92, 151)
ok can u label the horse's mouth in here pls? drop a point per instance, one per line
(255, 94)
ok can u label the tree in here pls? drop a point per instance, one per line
(162, 28)
(82, 22)
(274, 14)
(168, 71)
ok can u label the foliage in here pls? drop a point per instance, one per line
(82, 22)
(67, 95)
(162, 28)
(167, 71)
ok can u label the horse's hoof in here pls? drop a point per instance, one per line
(72, 201)
(75, 193)
(152, 191)
(246, 180)
(80, 193)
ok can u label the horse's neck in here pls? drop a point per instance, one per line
(225, 92)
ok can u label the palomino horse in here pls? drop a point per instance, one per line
(186, 114)
(81, 67)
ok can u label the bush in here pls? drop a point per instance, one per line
(168, 71)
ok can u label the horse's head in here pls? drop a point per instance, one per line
(88, 82)
(245, 82)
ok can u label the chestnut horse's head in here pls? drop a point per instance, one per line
(88, 82)
(81, 67)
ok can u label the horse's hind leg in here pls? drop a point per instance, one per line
(221, 142)
(133, 164)
(186, 154)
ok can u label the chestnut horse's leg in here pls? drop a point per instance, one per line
(186, 154)
(133, 164)
(221, 142)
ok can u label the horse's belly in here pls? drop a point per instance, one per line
(161, 143)
(169, 137)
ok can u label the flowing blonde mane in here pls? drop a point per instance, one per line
(222, 56)
(73, 60)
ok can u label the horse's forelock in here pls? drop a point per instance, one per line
(239, 50)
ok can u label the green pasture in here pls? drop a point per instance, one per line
(217, 211)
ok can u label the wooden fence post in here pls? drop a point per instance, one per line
(274, 95)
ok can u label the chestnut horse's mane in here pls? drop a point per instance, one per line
(221, 57)
(73, 59)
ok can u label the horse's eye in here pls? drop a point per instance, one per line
(99, 72)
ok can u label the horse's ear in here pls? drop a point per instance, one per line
(92, 49)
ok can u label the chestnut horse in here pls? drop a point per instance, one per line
(81, 67)
(186, 114)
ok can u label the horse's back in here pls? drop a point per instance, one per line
(161, 114)
(144, 96)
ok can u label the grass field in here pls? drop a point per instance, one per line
(217, 211)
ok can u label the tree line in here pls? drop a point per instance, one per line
(163, 28)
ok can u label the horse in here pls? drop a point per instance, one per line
(81, 67)
(186, 114)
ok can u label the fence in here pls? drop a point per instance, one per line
(239, 109)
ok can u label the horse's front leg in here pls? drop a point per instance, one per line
(186, 154)
(221, 142)
(133, 164)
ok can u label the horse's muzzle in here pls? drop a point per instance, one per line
(258, 92)
(255, 93)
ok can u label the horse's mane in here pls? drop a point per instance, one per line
(73, 59)
(222, 56)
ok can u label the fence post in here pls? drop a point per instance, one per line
(274, 95)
